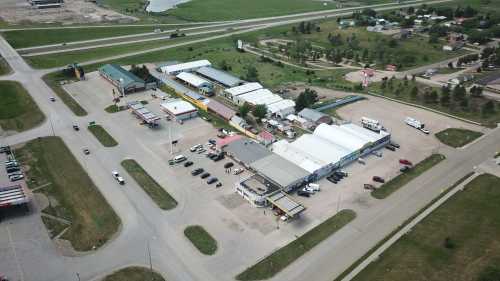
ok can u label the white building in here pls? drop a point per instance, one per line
(179, 109)
(281, 108)
(231, 93)
(183, 67)
(202, 85)
(330, 147)
(262, 96)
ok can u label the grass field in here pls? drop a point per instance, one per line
(455, 137)
(4, 67)
(53, 81)
(201, 239)
(18, 111)
(459, 241)
(134, 273)
(402, 179)
(30, 38)
(277, 261)
(157, 193)
(103, 136)
(74, 195)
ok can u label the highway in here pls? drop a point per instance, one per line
(39, 260)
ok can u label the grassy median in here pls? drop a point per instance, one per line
(18, 111)
(134, 273)
(102, 135)
(201, 239)
(73, 195)
(53, 80)
(458, 241)
(157, 193)
(277, 261)
(4, 67)
(396, 183)
(456, 137)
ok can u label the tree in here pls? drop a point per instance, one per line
(459, 93)
(252, 74)
(488, 108)
(433, 97)
(224, 65)
(305, 99)
(414, 93)
(244, 110)
(476, 91)
(445, 96)
(259, 111)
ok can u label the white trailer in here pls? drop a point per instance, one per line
(371, 124)
(414, 123)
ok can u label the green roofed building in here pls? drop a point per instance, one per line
(125, 81)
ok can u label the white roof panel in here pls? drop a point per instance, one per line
(178, 106)
(336, 134)
(261, 96)
(185, 66)
(192, 79)
(280, 106)
(245, 88)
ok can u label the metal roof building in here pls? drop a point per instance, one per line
(143, 113)
(219, 76)
(193, 80)
(122, 79)
(231, 93)
(261, 96)
(280, 171)
(220, 109)
(246, 151)
(315, 116)
(281, 108)
(286, 204)
(179, 109)
(182, 67)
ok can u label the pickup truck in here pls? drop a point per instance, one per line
(118, 178)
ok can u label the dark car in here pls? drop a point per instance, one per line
(331, 179)
(390, 147)
(5, 149)
(303, 193)
(404, 169)
(339, 174)
(197, 171)
(212, 141)
(394, 144)
(205, 175)
(378, 179)
(218, 157)
(188, 163)
(212, 180)
(76, 128)
(219, 184)
(228, 165)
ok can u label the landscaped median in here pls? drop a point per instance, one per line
(134, 273)
(396, 183)
(201, 239)
(102, 135)
(157, 193)
(54, 80)
(72, 196)
(277, 261)
(456, 137)
(18, 111)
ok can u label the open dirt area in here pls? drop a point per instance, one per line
(73, 11)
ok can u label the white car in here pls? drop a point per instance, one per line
(117, 177)
(308, 190)
(16, 177)
(196, 147)
(314, 186)
(237, 171)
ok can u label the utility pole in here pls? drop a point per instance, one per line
(150, 262)
(78, 276)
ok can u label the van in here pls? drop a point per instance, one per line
(361, 161)
(314, 186)
(179, 158)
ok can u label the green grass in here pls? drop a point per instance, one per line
(402, 179)
(103, 136)
(93, 221)
(134, 273)
(53, 81)
(115, 108)
(53, 226)
(201, 239)
(157, 193)
(4, 67)
(277, 261)
(30, 38)
(455, 137)
(18, 111)
(469, 220)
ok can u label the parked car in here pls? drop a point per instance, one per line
(211, 154)
(237, 171)
(212, 141)
(212, 180)
(201, 150)
(12, 169)
(195, 147)
(339, 174)
(75, 127)
(404, 169)
(390, 147)
(425, 131)
(188, 163)
(395, 144)
(361, 161)
(118, 178)
(308, 190)
(368, 186)
(331, 179)
(228, 165)
(52, 99)
(378, 179)
(303, 193)
(313, 186)
(197, 171)
(219, 184)
(4, 149)
(86, 151)
(205, 175)
(16, 177)
(218, 157)
(179, 158)
(405, 162)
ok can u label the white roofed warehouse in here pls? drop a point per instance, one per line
(179, 109)
(231, 93)
(175, 69)
(221, 77)
(261, 96)
(202, 85)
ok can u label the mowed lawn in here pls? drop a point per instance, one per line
(134, 273)
(74, 196)
(18, 111)
(459, 241)
(457, 137)
(4, 67)
(34, 37)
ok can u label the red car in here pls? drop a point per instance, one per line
(405, 162)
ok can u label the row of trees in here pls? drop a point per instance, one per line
(306, 27)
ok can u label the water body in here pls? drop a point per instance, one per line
(157, 6)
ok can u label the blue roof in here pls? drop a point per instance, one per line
(220, 76)
(119, 74)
